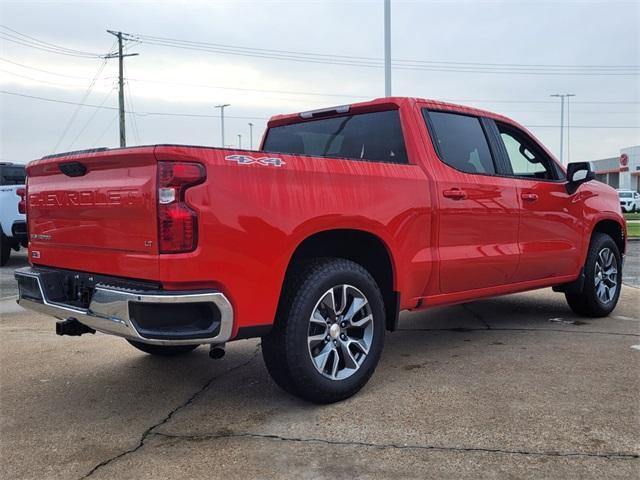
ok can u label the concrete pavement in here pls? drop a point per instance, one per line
(513, 387)
(631, 270)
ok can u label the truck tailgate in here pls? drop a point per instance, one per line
(99, 204)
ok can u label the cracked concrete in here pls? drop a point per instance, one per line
(489, 389)
(185, 404)
(398, 446)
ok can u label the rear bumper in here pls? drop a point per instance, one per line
(131, 314)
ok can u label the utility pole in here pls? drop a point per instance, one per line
(120, 55)
(562, 96)
(240, 141)
(387, 48)
(568, 130)
(250, 136)
(222, 107)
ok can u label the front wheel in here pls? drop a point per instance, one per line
(602, 279)
(163, 350)
(329, 333)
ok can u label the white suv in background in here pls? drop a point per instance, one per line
(13, 225)
(629, 200)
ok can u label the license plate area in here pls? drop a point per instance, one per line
(73, 288)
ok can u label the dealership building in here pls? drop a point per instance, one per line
(621, 172)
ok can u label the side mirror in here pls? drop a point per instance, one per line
(577, 174)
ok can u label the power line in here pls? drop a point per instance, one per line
(399, 66)
(81, 104)
(36, 41)
(196, 85)
(132, 115)
(370, 62)
(297, 92)
(12, 38)
(200, 115)
(142, 114)
(42, 70)
(334, 59)
(244, 89)
(633, 127)
(49, 82)
(104, 132)
(150, 38)
(93, 115)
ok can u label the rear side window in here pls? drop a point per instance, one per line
(460, 142)
(375, 137)
(12, 174)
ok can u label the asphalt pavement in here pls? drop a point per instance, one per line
(512, 387)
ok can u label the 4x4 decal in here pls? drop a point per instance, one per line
(247, 160)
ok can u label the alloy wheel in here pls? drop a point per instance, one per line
(606, 275)
(340, 332)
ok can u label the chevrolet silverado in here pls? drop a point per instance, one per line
(316, 242)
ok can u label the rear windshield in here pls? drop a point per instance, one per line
(625, 194)
(12, 174)
(375, 137)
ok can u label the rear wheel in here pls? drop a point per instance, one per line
(329, 333)
(602, 279)
(163, 350)
(5, 250)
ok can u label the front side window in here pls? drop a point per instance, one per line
(373, 136)
(460, 142)
(527, 159)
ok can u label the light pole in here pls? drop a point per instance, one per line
(568, 129)
(239, 141)
(562, 96)
(387, 48)
(222, 107)
(250, 136)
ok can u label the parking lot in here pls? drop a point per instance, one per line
(510, 387)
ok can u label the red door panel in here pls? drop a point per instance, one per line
(477, 232)
(550, 231)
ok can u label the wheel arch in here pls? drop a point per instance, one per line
(614, 229)
(362, 247)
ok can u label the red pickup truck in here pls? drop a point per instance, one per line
(345, 217)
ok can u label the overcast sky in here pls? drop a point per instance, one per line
(168, 80)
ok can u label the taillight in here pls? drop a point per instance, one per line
(177, 223)
(22, 204)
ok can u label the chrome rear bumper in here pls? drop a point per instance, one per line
(109, 309)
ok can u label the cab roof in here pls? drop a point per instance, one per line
(382, 104)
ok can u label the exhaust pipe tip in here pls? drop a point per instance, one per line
(217, 351)
(72, 327)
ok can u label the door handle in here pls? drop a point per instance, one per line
(455, 194)
(529, 197)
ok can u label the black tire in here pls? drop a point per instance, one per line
(587, 303)
(285, 349)
(5, 250)
(163, 350)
